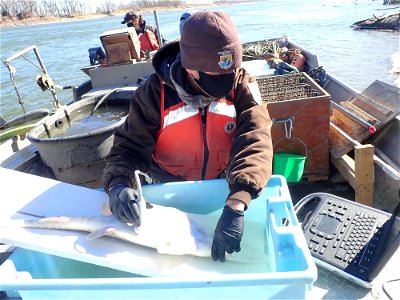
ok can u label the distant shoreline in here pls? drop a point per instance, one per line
(14, 22)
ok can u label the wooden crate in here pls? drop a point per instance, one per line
(298, 97)
(121, 45)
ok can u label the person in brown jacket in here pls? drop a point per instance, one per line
(198, 117)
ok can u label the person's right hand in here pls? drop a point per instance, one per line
(124, 204)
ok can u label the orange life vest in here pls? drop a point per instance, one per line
(148, 42)
(185, 140)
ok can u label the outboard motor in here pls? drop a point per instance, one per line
(96, 55)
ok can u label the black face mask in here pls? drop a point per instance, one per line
(216, 86)
(130, 25)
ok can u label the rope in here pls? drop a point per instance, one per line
(260, 49)
(11, 70)
(31, 62)
(264, 48)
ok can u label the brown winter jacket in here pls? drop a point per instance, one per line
(250, 164)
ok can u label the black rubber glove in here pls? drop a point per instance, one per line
(228, 233)
(124, 204)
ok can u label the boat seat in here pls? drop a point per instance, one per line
(20, 159)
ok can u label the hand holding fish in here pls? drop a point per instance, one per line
(124, 204)
(228, 233)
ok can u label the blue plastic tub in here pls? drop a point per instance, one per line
(288, 273)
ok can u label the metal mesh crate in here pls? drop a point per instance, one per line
(286, 87)
(299, 98)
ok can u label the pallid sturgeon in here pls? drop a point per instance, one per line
(179, 235)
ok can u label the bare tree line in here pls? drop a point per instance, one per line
(23, 9)
(108, 7)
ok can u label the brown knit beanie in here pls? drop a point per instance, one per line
(210, 43)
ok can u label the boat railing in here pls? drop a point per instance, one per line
(44, 81)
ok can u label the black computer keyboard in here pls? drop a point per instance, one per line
(345, 234)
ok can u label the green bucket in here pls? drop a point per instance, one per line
(291, 166)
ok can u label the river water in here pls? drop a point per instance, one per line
(357, 57)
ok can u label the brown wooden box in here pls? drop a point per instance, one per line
(298, 97)
(121, 45)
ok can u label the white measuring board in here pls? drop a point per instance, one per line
(29, 196)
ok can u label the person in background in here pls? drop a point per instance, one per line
(147, 34)
(185, 16)
(198, 117)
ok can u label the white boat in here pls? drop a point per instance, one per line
(62, 158)
(118, 82)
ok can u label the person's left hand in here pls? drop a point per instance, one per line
(228, 233)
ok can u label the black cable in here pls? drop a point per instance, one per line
(395, 212)
(384, 288)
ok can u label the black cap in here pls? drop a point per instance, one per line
(129, 16)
